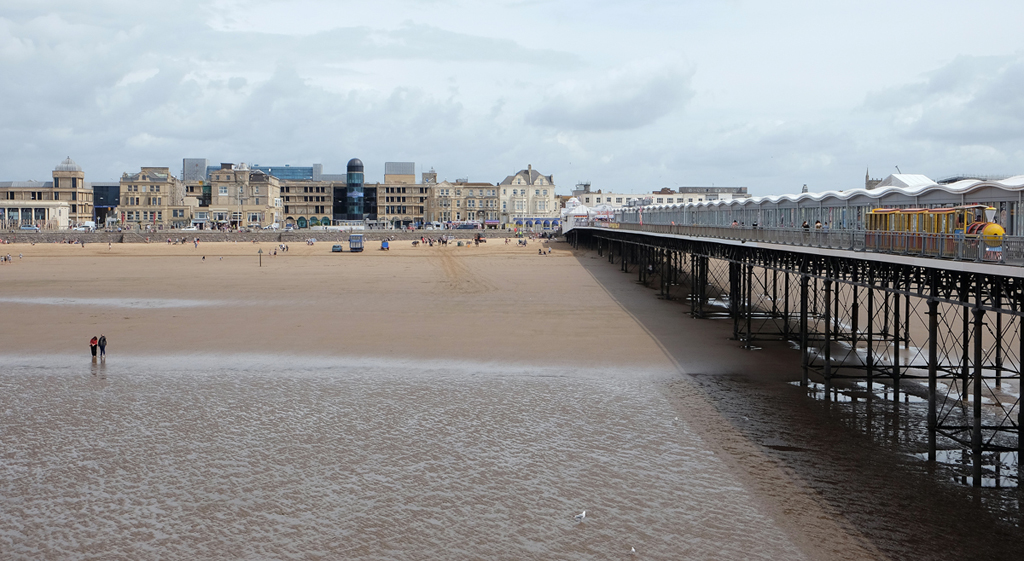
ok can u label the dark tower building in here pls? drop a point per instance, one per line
(349, 201)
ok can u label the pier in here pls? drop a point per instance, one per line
(944, 330)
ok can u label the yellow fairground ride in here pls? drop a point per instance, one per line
(931, 229)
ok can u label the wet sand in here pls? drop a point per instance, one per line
(494, 302)
(508, 309)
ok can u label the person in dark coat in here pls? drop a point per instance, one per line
(103, 346)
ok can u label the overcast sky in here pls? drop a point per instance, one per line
(631, 96)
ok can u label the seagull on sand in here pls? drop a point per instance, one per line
(632, 551)
(579, 517)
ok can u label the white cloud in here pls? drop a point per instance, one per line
(628, 96)
(622, 100)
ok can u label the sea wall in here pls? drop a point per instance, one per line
(300, 236)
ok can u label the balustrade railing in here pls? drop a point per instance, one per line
(1008, 250)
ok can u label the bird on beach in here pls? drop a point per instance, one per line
(579, 517)
(632, 551)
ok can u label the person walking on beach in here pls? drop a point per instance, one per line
(92, 345)
(103, 346)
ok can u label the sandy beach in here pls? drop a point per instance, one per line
(493, 302)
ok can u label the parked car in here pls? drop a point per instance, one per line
(189, 229)
(336, 248)
(30, 227)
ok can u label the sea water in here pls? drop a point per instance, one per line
(280, 457)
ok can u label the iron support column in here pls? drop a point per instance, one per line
(827, 372)
(933, 370)
(979, 321)
(804, 362)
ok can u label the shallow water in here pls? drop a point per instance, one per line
(278, 457)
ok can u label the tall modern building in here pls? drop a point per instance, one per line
(349, 201)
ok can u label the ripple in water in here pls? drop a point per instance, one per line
(335, 459)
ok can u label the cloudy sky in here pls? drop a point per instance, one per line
(631, 96)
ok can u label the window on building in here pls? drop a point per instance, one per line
(223, 190)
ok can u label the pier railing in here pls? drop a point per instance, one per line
(1006, 250)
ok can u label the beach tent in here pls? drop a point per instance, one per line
(577, 216)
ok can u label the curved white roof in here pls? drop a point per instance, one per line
(911, 186)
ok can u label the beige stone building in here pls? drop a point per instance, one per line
(153, 199)
(308, 203)
(241, 197)
(464, 202)
(23, 200)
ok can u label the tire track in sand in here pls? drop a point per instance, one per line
(459, 278)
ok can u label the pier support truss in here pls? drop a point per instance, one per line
(872, 325)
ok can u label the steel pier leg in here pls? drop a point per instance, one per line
(804, 362)
(965, 366)
(870, 357)
(998, 301)
(828, 339)
(896, 343)
(854, 316)
(979, 320)
(933, 370)
(785, 305)
(750, 302)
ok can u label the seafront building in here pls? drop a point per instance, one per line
(64, 201)
(527, 200)
(464, 202)
(697, 195)
(243, 197)
(401, 202)
(154, 199)
(590, 198)
(250, 196)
